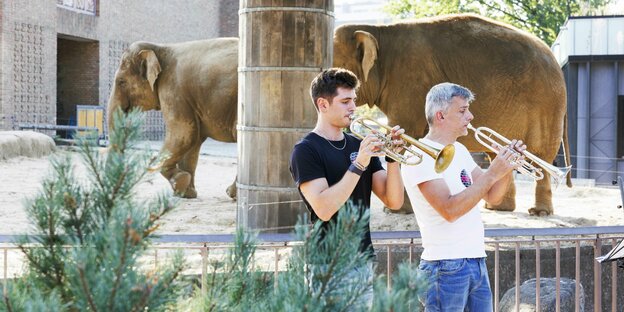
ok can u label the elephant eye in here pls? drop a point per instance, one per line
(121, 83)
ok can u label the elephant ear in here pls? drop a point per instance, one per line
(150, 67)
(369, 46)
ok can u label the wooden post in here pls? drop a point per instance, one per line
(284, 44)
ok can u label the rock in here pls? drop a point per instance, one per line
(25, 143)
(548, 292)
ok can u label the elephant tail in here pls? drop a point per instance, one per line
(566, 150)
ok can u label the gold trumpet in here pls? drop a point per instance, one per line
(483, 134)
(363, 126)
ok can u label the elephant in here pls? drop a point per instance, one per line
(519, 86)
(195, 85)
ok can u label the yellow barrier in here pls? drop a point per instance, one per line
(90, 116)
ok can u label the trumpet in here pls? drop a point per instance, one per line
(532, 168)
(362, 126)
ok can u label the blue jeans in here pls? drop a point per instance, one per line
(456, 285)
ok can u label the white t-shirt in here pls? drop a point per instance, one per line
(441, 239)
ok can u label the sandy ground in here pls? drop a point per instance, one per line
(213, 212)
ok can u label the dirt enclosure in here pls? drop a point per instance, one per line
(213, 212)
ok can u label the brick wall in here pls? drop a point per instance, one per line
(28, 63)
(78, 69)
(3, 120)
(30, 30)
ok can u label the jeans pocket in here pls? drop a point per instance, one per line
(426, 267)
(451, 266)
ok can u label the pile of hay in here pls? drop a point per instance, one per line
(25, 143)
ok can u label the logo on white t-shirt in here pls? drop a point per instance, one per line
(465, 178)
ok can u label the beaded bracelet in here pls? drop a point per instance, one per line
(359, 166)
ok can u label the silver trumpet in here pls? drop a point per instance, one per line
(532, 168)
(363, 126)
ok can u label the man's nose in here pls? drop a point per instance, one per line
(470, 116)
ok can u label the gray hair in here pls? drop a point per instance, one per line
(440, 96)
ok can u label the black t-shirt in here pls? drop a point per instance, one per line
(314, 157)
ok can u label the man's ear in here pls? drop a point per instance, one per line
(439, 115)
(322, 103)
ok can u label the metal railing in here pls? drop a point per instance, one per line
(503, 245)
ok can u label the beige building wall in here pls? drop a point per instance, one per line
(50, 50)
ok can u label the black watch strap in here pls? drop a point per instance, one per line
(355, 169)
(389, 160)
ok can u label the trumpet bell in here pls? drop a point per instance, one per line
(444, 158)
(361, 127)
(532, 166)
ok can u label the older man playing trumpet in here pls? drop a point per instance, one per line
(445, 205)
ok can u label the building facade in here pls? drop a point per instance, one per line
(590, 51)
(57, 54)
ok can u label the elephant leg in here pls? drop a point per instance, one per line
(543, 198)
(189, 165)
(179, 179)
(509, 200)
(231, 190)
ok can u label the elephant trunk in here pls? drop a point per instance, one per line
(115, 102)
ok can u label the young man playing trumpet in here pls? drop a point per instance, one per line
(331, 167)
(445, 205)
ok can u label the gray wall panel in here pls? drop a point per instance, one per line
(582, 121)
(602, 123)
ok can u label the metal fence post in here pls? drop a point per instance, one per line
(204, 255)
(597, 275)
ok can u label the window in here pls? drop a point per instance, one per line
(81, 6)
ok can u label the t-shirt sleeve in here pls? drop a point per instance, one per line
(416, 174)
(375, 165)
(305, 164)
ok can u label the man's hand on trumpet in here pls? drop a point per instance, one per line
(508, 158)
(397, 142)
(369, 147)
(375, 145)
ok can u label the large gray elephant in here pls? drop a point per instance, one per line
(519, 87)
(195, 85)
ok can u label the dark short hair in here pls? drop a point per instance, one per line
(326, 83)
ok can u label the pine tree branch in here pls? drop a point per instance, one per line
(326, 277)
(58, 272)
(139, 306)
(118, 185)
(32, 262)
(165, 284)
(7, 303)
(85, 287)
(95, 170)
(151, 223)
(78, 228)
(119, 269)
(72, 210)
